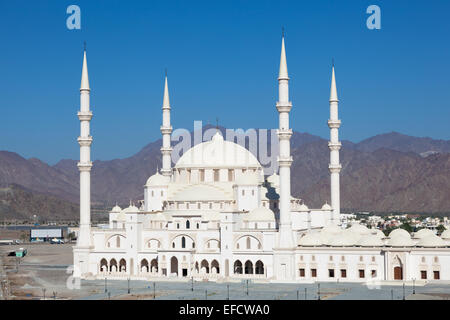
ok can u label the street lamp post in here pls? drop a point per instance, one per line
(192, 284)
(154, 290)
(318, 291)
(128, 285)
(228, 292)
(106, 288)
(403, 290)
(247, 286)
(414, 286)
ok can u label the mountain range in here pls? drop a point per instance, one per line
(389, 172)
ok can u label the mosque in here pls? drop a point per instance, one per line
(215, 216)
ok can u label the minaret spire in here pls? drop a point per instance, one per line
(335, 145)
(166, 130)
(82, 249)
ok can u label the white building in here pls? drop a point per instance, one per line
(214, 216)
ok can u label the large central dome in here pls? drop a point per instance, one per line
(218, 153)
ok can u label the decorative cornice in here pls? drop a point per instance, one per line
(84, 166)
(285, 162)
(284, 134)
(85, 141)
(334, 145)
(334, 124)
(334, 168)
(284, 106)
(85, 115)
(166, 130)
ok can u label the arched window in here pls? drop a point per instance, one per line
(198, 225)
(331, 258)
(343, 258)
(436, 259)
(118, 242)
(178, 226)
(173, 244)
(248, 242)
(183, 242)
(188, 224)
(216, 175)
(193, 245)
(237, 246)
(361, 258)
(423, 259)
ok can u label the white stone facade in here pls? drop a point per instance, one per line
(214, 216)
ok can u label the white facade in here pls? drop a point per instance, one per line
(214, 216)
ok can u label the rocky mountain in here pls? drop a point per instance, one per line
(385, 173)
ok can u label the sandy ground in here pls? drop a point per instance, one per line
(45, 267)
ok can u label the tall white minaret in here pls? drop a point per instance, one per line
(284, 106)
(166, 130)
(335, 167)
(85, 164)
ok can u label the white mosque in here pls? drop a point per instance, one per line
(213, 216)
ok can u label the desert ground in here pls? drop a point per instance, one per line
(45, 273)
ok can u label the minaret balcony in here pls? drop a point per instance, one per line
(334, 124)
(84, 166)
(166, 150)
(284, 162)
(335, 168)
(284, 106)
(334, 145)
(85, 141)
(284, 134)
(166, 130)
(85, 115)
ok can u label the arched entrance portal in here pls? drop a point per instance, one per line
(398, 273)
(174, 265)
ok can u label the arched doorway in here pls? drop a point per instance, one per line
(144, 265)
(238, 267)
(259, 267)
(113, 265)
(215, 267)
(204, 266)
(103, 265)
(174, 265)
(398, 268)
(398, 273)
(154, 266)
(248, 267)
(122, 265)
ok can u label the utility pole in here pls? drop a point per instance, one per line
(403, 290)
(318, 291)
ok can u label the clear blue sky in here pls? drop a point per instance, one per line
(222, 59)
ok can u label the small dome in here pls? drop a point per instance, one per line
(260, 214)
(370, 241)
(359, 229)
(422, 233)
(431, 240)
(326, 206)
(310, 240)
(446, 234)
(332, 228)
(274, 180)
(157, 180)
(399, 233)
(248, 178)
(303, 207)
(400, 241)
(343, 239)
(116, 209)
(131, 209)
(377, 232)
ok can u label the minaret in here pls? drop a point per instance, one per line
(85, 164)
(284, 106)
(166, 130)
(82, 249)
(335, 167)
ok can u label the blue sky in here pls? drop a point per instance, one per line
(222, 59)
